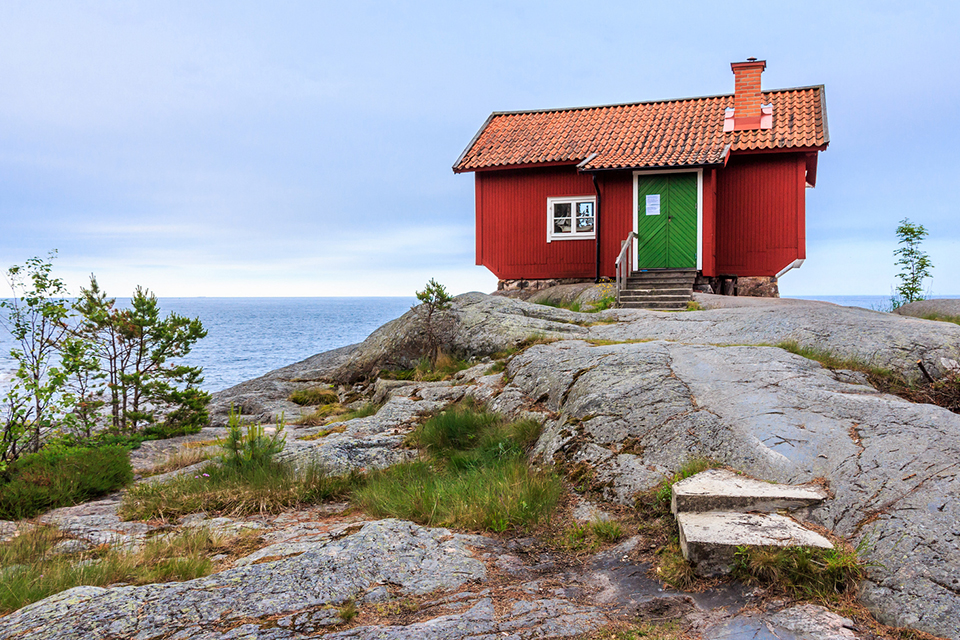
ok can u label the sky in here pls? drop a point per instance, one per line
(304, 148)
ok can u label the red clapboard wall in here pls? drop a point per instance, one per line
(760, 214)
(512, 222)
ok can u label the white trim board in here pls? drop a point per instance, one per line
(636, 205)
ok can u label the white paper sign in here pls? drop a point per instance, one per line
(653, 204)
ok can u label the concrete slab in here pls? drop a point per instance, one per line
(722, 490)
(710, 540)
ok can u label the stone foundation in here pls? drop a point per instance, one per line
(528, 287)
(754, 287)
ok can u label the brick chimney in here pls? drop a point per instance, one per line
(748, 111)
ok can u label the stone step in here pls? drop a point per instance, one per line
(709, 540)
(674, 280)
(722, 490)
(653, 306)
(666, 293)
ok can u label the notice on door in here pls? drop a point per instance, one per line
(653, 204)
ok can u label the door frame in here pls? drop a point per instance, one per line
(636, 204)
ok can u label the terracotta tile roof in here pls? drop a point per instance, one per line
(672, 133)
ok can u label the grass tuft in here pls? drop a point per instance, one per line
(589, 537)
(801, 572)
(314, 396)
(364, 411)
(321, 415)
(323, 433)
(673, 568)
(348, 611)
(474, 475)
(443, 369)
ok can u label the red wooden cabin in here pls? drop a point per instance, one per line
(715, 184)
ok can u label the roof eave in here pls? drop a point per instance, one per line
(469, 146)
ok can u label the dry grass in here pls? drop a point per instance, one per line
(257, 489)
(314, 396)
(182, 456)
(33, 570)
(321, 416)
(944, 392)
(323, 433)
(667, 630)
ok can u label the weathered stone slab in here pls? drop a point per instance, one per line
(723, 490)
(710, 540)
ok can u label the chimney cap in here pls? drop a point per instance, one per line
(750, 63)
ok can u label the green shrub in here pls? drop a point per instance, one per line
(314, 396)
(61, 476)
(251, 449)
(174, 429)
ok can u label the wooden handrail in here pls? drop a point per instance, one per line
(624, 263)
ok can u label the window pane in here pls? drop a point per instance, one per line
(584, 217)
(561, 217)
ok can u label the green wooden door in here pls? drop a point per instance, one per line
(667, 221)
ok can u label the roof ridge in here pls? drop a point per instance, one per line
(641, 102)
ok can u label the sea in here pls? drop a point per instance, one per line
(247, 337)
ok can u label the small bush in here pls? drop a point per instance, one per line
(165, 430)
(802, 572)
(314, 396)
(61, 476)
(253, 449)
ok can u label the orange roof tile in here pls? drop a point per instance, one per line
(672, 133)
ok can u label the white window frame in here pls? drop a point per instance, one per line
(573, 234)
